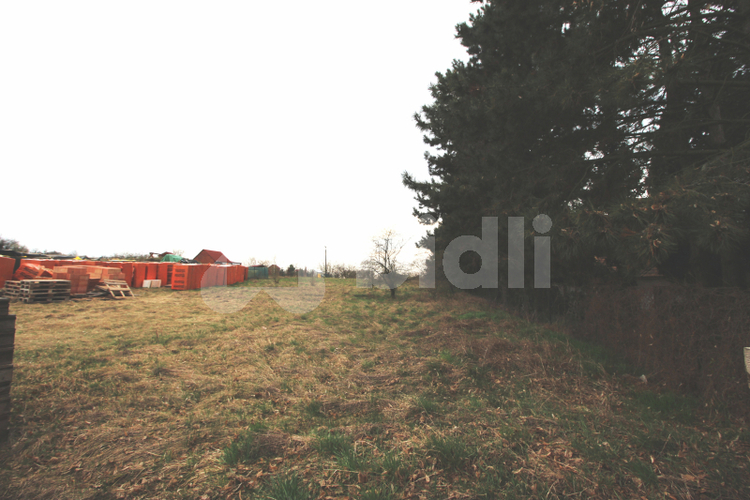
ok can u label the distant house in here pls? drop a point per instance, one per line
(211, 257)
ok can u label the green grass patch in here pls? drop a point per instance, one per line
(384, 492)
(243, 450)
(656, 406)
(473, 315)
(332, 443)
(451, 452)
(288, 487)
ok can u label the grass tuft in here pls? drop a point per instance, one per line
(288, 487)
(332, 443)
(393, 465)
(243, 450)
(379, 493)
(451, 452)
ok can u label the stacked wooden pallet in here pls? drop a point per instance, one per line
(37, 291)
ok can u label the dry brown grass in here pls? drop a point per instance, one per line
(435, 397)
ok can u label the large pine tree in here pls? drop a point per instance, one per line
(591, 112)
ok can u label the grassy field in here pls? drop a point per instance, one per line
(423, 396)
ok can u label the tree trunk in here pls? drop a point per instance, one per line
(393, 293)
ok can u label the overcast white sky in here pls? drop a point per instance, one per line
(260, 129)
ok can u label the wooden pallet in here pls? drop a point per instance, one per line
(37, 291)
(45, 299)
(118, 289)
(12, 289)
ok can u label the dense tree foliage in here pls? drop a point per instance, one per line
(12, 245)
(626, 121)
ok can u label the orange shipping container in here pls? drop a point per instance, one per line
(139, 274)
(162, 272)
(200, 271)
(190, 277)
(179, 277)
(127, 271)
(170, 271)
(208, 278)
(152, 271)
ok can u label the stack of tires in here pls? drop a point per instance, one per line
(7, 339)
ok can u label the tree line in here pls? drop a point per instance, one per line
(627, 122)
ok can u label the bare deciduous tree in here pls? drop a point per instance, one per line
(384, 264)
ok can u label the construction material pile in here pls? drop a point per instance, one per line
(90, 278)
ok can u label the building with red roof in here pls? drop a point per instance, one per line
(211, 257)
